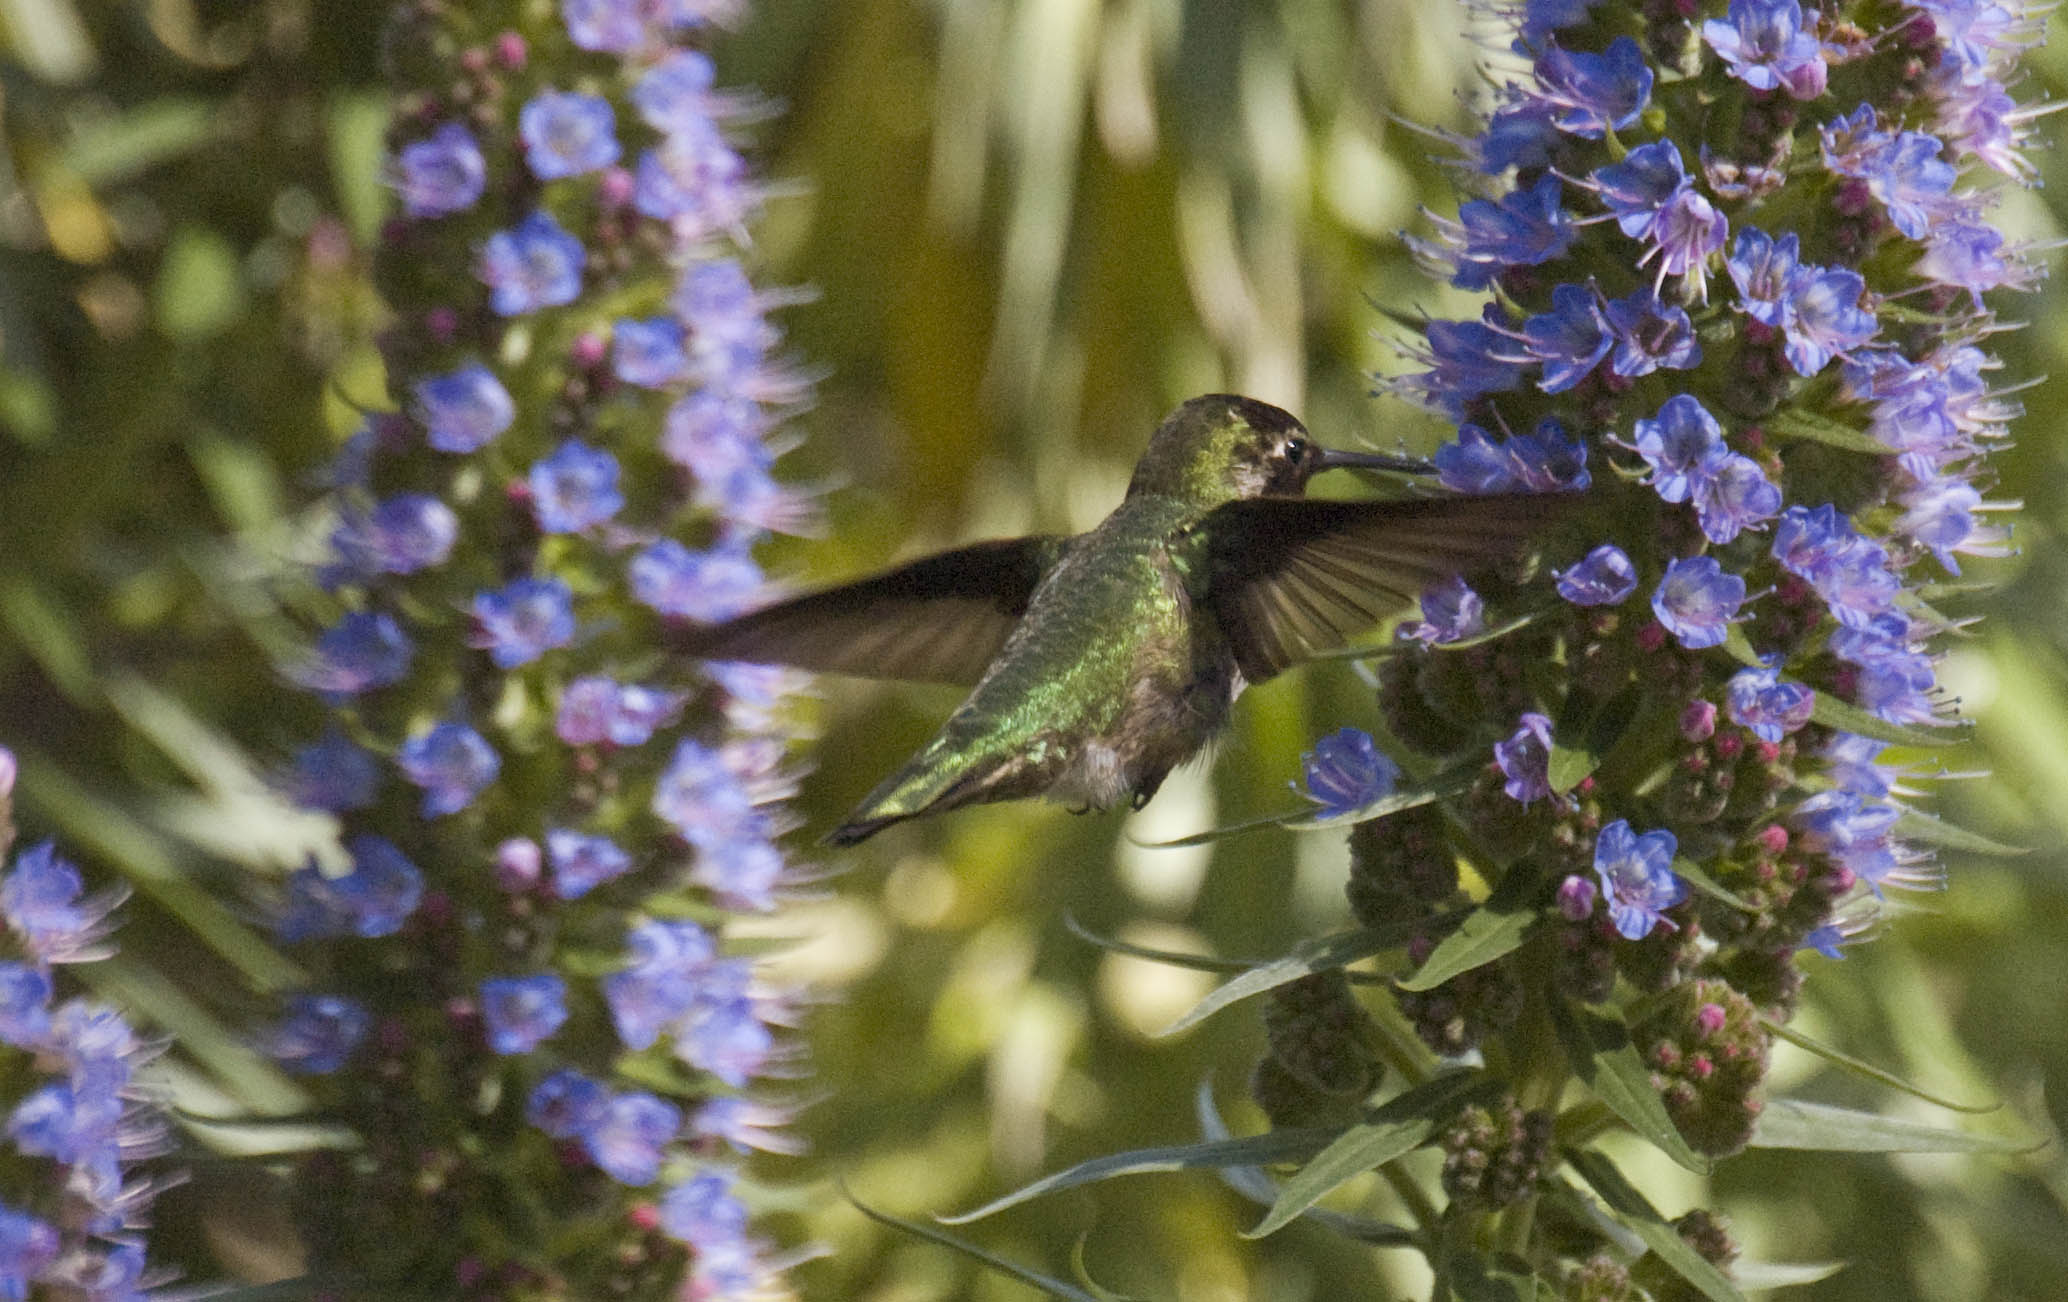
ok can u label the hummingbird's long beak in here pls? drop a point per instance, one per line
(1333, 459)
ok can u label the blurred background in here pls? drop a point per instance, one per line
(1029, 227)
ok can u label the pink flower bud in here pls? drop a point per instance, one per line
(1698, 720)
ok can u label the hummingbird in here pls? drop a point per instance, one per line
(1098, 663)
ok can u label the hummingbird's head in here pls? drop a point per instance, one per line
(1222, 446)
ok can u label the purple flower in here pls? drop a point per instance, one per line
(1571, 339)
(668, 963)
(333, 774)
(742, 874)
(1451, 612)
(1649, 335)
(630, 1136)
(716, 437)
(319, 1034)
(566, 133)
(696, 182)
(1346, 772)
(704, 586)
(1591, 94)
(46, 906)
(575, 489)
(522, 1012)
(452, 763)
(461, 411)
(1772, 709)
(25, 993)
(28, 1247)
(1522, 229)
(1474, 463)
(534, 265)
(1683, 445)
(523, 620)
(1904, 171)
(649, 352)
(566, 1104)
(613, 26)
(582, 862)
(1765, 271)
(745, 1124)
(404, 534)
(1765, 46)
(1825, 318)
(1637, 876)
(1525, 759)
(1850, 572)
(1468, 360)
(703, 797)
(723, 1034)
(674, 95)
(703, 1212)
(729, 330)
(1733, 495)
(439, 175)
(1970, 255)
(1639, 187)
(362, 651)
(1604, 577)
(373, 899)
(1895, 681)
(1548, 460)
(1696, 601)
(1576, 896)
(1518, 134)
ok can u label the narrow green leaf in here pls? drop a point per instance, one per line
(1010, 1269)
(1861, 1067)
(1490, 931)
(1818, 1127)
(1834, 713)
(1254, 1150)
(246, 1074)
(1253, 1184)
(1636, 1212)
(1699, 878)
(1797, 423)
(1602, 1056)
(1307, 958)
(1077, 1263)
(118, 149)
(1401, 1125)
(1914, 826)
(1739, 647)
(1167, 957)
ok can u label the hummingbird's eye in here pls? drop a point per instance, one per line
(1295, 448)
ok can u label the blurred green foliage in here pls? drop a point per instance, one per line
(1031, 226)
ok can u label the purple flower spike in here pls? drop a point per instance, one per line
(1604, 577)
(440, 175)
(521, 1013)
(1772, 709)
(463, 410)
(567, 133)
(1592, 94)
(523, 619)
(575, 489)
(1765, 46)
(1696, 601)
(1346, 772)
(452, 763)
(535, 265)
(1683, 445)
(1525, 759)
(1637, 876)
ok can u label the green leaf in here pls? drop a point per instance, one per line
(1254, 1150)
(200, 287)
(1861, 1067)
(1602, 1056)
(1495, 928)
(1818, 1127)
(1307, 958)
(1699, 878)
(1167, 957)
(247, 1075)
(1914, 826)
(1077, 1264)
(1587, 728)
(1834, 713)
(1812, 427)
(116, 150)
(1010, 1269)
(1636, 1212)
(1400, 1125)
(1253, 1184)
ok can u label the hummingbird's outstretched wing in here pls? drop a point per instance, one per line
(939, 619)
(1294, 577)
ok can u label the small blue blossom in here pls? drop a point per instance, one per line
(611, 26)
(703, 1212)
(319, 1034)
(1522, 229)
(1733, 495)
(640, 711)
(629, 1138)
(703, 797)
(586, 705)
(25, 993)
(362, 651)
(1849, 571)
(1451, 612)
(520, 1013)
(1474, 463)
(28, 1247)
(1638, 187)
(582, 862)
(1346, 772)
(1571, 339)
(1757, 699)
(404, 534)
(1696, 601)
(1765, 271)
(1650, 334)
(534, 265)
(1826, 319)
(442, 174)
(674, 95)
(704, 586)
(650, 352)
(1970, 255)
(463, 410)
(333, 774)
(1637, 878)
(1604, 577)
(523, 620)
(1591, 94)
(1549, 460)
(452, 763)
(1468, 360)
(744, 1124)
(373, 899)
(1519, 134)
(1894, 680)
(1766, 47)
(716, 437)
(575, 489)
(729, 329)
(1903, 170)
(566, 1104)
(662, 982)
(566, 133)
(742, 874)
(696, 182)
(723, 1033)
(1683, 445)
(1524, 759)
(45, 904)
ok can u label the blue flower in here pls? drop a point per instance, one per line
(319, 1034)
(1451, 612)
(1683, 445)
(1637, 877)
(333, 774)
(1904, 171)
(703, 1212)
(373, 899)
(1346, 772)
(1850, 572)
(566, 1104)
(1765, 46)
(575, 489)
(1524, 759)
(729, 331)
(1604, 577)
(404, 534)
(639, 711)
(662, 982)
(695, 182)
(1474, 463)
(440, 175)
(675, 94)
(582, 862)
(628, 1139)
(522, 1012)
(1468, 360)
(523, 620)
(1522, 229)
(362, 651)
(1825, 319)
(1544, 460)
(1765, 271)
(452, 763)
(1732, 495)
(742, 874)
(1757, 699)
(535, 265)
(1640, 186)
(611, 26)
(566, 133)
(703, 797)
(1649, 334)
(28, 1247)
(1591, 94)
(44, 902)
(649, 353)
(1696, 601)
(25, 992)
(1570, 339)
(1519, 134)
(464, 409)
(723, 1033)
(704, 586)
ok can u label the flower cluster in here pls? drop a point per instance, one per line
(1736, 256)
(78, 1118)
(522, 995)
